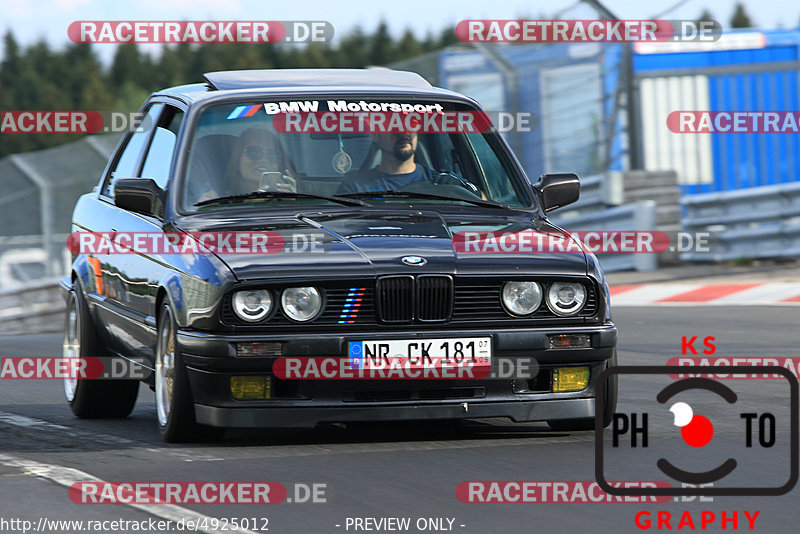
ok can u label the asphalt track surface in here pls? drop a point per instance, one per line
(382, 470)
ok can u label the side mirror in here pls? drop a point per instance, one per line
(558, 190)
(141, 195)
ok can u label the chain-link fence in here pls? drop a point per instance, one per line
(40, 189)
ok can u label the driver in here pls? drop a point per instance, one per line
(397, 169)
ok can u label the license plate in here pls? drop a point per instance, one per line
(474, 351)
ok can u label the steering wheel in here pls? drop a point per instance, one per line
(445, 189)
(448, 178)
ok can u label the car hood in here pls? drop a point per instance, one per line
(350, 244)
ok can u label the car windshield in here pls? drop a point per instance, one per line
(347, 149)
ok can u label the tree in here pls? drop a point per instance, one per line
(408, 46)
(705, 16)
(706, 21)
(127, 64)
(38, 78)
(740, 18)
(381, 47)
(9, 67)
(448, 37)
(352, 51)
(170, 68)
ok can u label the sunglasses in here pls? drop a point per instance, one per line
(255, 153)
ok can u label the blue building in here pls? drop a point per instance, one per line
(562, 85)
(575, 90)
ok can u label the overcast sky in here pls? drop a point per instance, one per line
(31, 20)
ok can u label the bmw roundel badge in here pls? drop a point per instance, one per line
(414, 260)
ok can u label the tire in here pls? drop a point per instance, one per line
(174, 404)
(609, 407)
(92, 399)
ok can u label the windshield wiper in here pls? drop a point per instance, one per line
(414, 194)
(277, 194)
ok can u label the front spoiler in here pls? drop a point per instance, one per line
(307, 417)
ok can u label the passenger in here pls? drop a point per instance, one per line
(258, 163)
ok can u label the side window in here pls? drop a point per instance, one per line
(497, 176)
(127, 165)
(159, 155)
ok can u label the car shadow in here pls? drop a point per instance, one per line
(49, 428)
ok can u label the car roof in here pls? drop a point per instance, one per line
(251, 79)
(233, 83)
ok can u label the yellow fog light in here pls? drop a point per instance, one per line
(570, 378)
(251, 387)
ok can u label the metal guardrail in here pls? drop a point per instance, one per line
(39, 307)
(26, 259)
(34, 308)
(597, 193)
(638, 216)
(761, 222)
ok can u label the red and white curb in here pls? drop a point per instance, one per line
(786, 293)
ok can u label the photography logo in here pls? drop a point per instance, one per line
(700, 432)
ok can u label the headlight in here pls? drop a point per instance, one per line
(522, 298)
(252, 305)
(301, 303)
(566, 298)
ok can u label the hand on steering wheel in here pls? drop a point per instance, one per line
(282, 183)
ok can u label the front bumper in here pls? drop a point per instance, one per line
(211, 360)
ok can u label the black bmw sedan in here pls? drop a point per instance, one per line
(284, 248)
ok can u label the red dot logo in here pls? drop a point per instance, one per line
(696, 430)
